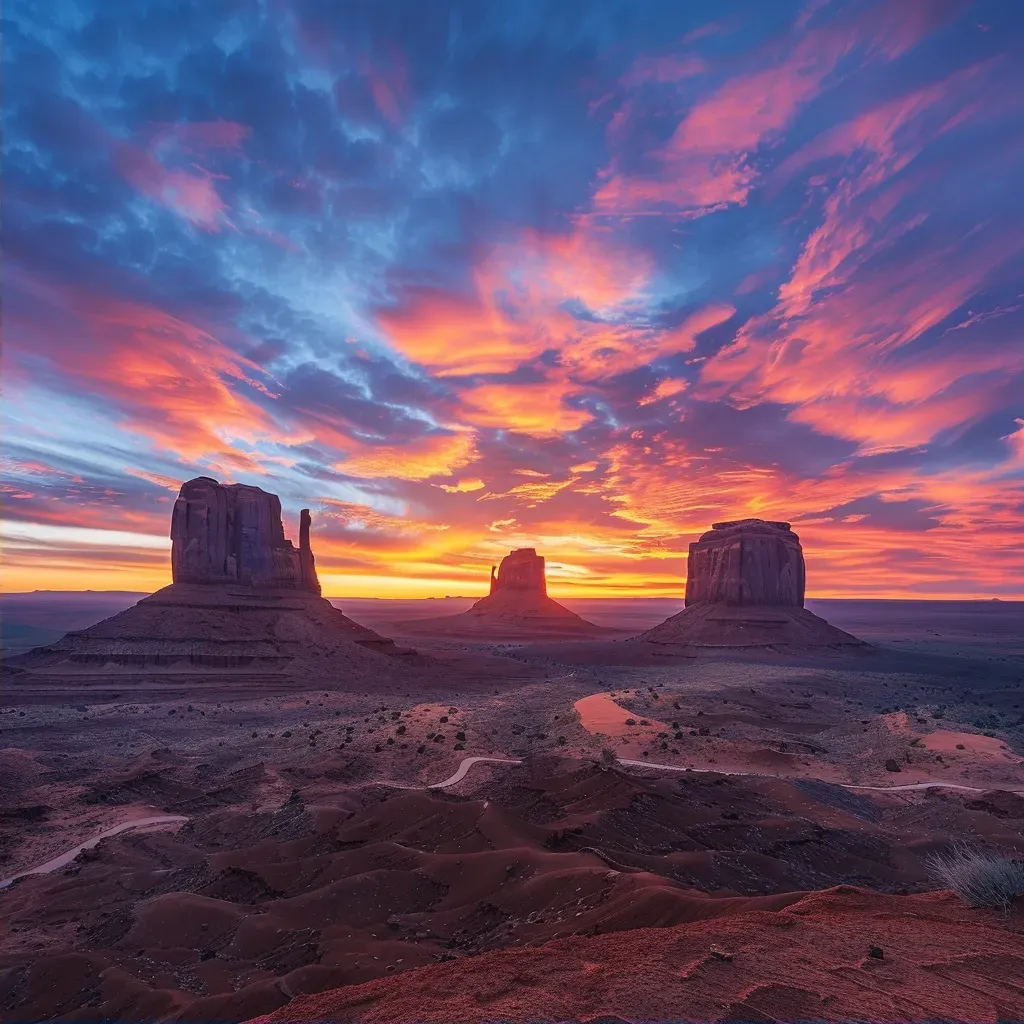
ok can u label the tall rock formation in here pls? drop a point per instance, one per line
(522, 571)
(746, 562)
(745, 585)
(233, 534)
(244, 608)
(517, 607)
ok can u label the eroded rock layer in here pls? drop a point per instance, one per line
(233, 534)
(745, 587)
(245, 603)
(746, 562)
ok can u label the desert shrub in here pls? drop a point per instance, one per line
(630, 721)
(562, 741)
(421, 748)
(460, 736)
(444, 718)
(980, 879)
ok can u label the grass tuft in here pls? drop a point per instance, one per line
(979, 879)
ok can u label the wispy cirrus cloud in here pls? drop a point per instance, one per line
(519, 278)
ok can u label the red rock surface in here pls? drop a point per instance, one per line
(746, 562)
(517, 607)
(745, 583)
(234, 534)
(809, 961)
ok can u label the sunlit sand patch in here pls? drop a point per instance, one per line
(601, 715)
(948, 741)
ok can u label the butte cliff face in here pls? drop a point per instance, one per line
(745, 585)
(519, 602)
(520, 571)
(234, 534)
(746, 562)
(516, 608)
(244, 608)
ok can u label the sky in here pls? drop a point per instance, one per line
(463, 276)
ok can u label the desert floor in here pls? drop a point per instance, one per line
(306, 852)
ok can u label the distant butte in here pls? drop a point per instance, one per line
(745, 583)
(244, 605)
(517, 608)
(519, 596)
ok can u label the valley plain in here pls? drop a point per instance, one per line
(631, 787)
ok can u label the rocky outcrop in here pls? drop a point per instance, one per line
(521, 570)
(745, 584)
(746, 562)
(517, 608)
(233, 534)
(244, 608)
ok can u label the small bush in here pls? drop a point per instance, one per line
(461, 737)
(979, 879)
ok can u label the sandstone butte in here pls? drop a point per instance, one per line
(745, 585)
(244, 605)
(519, 597)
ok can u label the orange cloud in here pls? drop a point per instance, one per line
(464, 486)
(417, 459)
(535, 409)
(167, 378)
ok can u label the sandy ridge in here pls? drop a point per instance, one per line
(461, 772)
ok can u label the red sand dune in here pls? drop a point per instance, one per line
(809, 961)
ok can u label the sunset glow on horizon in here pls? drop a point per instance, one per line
(466, 277)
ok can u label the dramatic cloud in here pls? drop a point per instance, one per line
(467, 276)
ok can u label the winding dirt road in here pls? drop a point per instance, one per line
(463, 770)
(68, 856)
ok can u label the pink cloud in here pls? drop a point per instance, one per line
(708, 163)
(192, 196)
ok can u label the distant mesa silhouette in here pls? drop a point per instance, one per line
(745, 584)
(517, 608)
(244, 604)
(519, 596)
